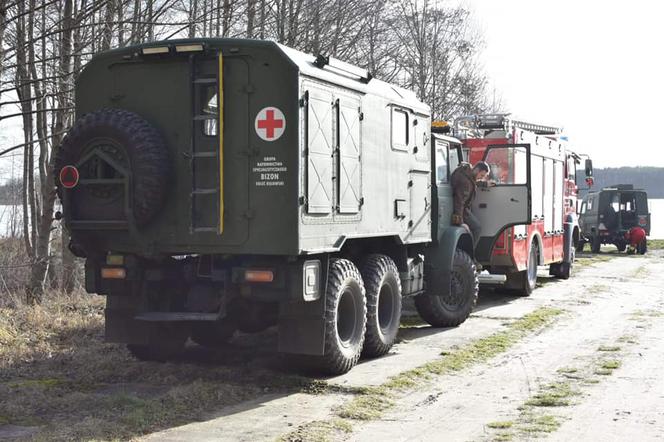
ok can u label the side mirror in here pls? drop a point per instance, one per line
(589, 168)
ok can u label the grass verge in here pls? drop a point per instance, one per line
(540, 415)
(656, 244)
(371, 403)
(58, 374)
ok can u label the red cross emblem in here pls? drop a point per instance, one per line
(270, 123)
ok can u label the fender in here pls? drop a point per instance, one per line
(439, 257)
(568, 242)
(536, 236)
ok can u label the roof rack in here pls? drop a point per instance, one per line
(343, 68)
(539, 129)
(480, 125)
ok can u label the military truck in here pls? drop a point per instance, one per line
(608, 215)
(217, 185)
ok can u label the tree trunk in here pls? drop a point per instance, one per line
(193, 12)
(3, 19)
(120, 15)
(65, 86)
(150, 20)
(227, 18)
(108, 25)
(251, 14)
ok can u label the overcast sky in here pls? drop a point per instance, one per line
(594, 67)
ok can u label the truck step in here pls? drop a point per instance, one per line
(176, 316)
(486, 278)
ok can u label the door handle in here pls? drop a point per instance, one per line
(482, 205)
(514, 200)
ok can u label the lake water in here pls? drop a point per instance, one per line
(657, 219)
(7, 213)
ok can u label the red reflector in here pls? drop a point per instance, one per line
(69, 177)
(500, 241)
(113, 273)
(258, 275)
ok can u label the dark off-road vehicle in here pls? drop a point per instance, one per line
(216, 185)
(606, 217)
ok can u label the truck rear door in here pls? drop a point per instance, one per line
(508, 203)
(219, 169)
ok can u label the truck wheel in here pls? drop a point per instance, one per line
(596, 244)
(213, 334)
(452, 308)
(524, 282)
(621, 246)
(383, 287)
(166, 342)
(642, 248)
(129, 140)
(345, 319)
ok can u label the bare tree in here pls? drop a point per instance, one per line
(44, 45)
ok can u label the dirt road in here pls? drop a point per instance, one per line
(593, 370)
(578, 360)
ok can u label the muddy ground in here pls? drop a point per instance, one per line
(578, 360)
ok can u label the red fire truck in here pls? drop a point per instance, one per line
(533, 167)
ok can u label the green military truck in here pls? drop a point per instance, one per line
(216, 185)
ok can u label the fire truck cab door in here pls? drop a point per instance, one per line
(506, 204)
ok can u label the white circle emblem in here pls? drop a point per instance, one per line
(270, 123)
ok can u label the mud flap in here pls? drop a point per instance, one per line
(438, 258)
(568, 244)
(302, 323)
(120, 325)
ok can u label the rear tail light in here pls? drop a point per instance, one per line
(258, 275)
(113, 273)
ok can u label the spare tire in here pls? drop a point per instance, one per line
(129, 140)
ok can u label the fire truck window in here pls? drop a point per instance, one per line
(454, 159)
(590, 203)
(399, 129)
(441, 163)
(509, 165)
(583, 208)
(571, 169)
(210, 107)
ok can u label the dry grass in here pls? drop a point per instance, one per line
(58, 374)
(656, 244)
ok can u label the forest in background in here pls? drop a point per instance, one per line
(428, 46)
(651, 179)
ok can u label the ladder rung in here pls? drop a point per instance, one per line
(206, 229)
(205, 117)
(204, 191)
(205, 80)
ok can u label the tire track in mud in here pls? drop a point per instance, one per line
(459, 407)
